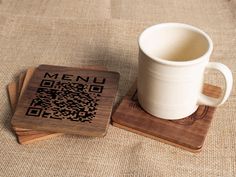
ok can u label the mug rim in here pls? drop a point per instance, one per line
(177, 63)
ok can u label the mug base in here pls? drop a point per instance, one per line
(168, 114)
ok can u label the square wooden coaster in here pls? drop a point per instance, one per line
(15, 89)
(67, 100)
(188, 133)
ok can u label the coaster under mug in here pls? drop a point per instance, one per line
(188, 133)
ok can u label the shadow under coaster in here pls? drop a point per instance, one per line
(188, 133)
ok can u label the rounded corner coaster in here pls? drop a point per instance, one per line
(188, 133)
(67, 100)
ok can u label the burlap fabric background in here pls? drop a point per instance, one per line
(104, 32)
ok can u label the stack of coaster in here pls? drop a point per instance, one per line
(188, 133)
(51, 100)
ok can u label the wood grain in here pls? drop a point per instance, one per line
(98, 125)
(188, 133)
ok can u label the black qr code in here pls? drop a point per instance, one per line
(65, 100)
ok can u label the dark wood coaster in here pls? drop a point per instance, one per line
(15, 89)
(83, 105)
(188, 133)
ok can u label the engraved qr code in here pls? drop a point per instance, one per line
(65, 99)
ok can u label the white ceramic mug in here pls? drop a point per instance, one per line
(172, 61)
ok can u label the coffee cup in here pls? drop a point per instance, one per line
(173, 58)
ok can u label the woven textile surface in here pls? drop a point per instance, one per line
(105, 32)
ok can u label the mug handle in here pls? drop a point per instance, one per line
(225, 71)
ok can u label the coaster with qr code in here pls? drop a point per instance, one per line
(67, 100)
(188, 133)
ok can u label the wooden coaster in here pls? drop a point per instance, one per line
(68, 100)
(27, 136)
(188, 133)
